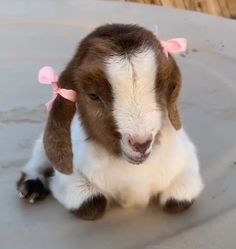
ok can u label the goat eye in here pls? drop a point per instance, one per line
(93, 97)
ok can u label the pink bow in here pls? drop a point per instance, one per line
(174, 46)
(47, 75)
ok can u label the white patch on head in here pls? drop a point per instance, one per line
(136, 110)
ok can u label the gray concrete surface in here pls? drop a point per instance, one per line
(34, 33)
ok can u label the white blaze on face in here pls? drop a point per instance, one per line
(136, 110)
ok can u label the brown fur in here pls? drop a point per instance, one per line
(168, 88)
(57, 141)
(85, 74)
(48, 172)
(173, 206)
(92, 209)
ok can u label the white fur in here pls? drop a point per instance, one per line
(37, 163)
(71, 191)
(135, 108)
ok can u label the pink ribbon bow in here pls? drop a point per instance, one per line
(174, 46)
(47, 75)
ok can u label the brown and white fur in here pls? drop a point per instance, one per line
(123, 140)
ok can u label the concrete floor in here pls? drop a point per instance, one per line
(36, 33)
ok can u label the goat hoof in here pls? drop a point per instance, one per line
(31, 190)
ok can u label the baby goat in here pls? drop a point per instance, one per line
(122, 141)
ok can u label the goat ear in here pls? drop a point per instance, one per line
(173, 92)
(57, 135)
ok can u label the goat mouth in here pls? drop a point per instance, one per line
(135, 160)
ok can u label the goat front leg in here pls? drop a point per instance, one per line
(78, 195)
(33, 182)
(183, 189)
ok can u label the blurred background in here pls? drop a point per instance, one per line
(225, 8)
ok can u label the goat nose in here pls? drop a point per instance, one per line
(140, 147)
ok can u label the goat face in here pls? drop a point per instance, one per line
(126, 89)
